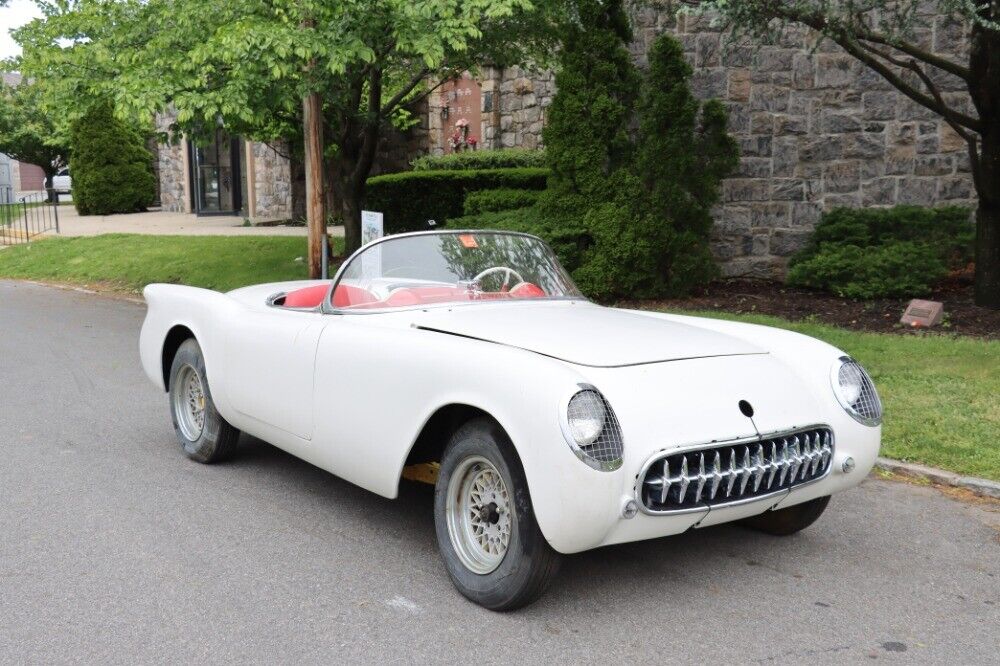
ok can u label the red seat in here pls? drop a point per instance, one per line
(307, 297)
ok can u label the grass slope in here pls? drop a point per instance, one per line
(941, 394)
(128, 262)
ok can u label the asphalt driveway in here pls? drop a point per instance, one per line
(116, 548)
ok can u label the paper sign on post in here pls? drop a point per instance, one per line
(372, 228)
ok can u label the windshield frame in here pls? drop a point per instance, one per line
(328, 307)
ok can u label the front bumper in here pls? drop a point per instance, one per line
(579, 508)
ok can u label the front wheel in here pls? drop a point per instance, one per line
(492, 547)
(202, 432)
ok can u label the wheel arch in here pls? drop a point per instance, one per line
(430, 442)
(171, 343)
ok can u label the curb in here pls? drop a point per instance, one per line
(982, 487)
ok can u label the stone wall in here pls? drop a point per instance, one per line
(272, 183)
(172, 174)
(816, 129)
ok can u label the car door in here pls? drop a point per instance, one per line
(271, 359)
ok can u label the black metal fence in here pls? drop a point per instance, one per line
(26, 217)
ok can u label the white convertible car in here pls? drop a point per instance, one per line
(552, 424)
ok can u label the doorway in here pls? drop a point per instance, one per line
(217, 175)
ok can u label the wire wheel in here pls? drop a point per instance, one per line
(189, 403)
(479, 515)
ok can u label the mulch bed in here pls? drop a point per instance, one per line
(962, 316)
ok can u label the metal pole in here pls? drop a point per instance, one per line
(24, 209)
(55, 211)
(325, 260)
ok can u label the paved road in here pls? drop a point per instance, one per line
(116, 548)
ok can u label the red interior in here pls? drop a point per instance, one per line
(348, 296)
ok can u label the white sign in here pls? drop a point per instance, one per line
(372, 226)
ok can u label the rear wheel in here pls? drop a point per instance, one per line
(492, 547)
(202, 432)
(784, 522)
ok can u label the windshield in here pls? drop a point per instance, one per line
(451, 267)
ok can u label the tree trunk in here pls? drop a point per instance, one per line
(988, 256)
(312, 113)
(351, 205)
(984, 87)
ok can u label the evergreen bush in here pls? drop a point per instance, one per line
(894, 252)
(507, 158)
(409, 199)
(489, 201)
(111, 166)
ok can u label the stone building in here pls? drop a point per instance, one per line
(229, 176)
(816, 129)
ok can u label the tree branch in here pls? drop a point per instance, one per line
(404, 91)
(912, 65)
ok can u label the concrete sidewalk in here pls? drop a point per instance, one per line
(161, 223)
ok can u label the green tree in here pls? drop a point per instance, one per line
(267, 69)
(110, 164)
(684, 152)
(27, 132)
(884, 36)
(586, 130)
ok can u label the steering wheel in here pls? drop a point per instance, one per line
(508, 272)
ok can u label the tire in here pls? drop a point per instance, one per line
(784, 522)
(205, 436)
(511, 576)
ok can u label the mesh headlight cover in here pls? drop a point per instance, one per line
(856, 392)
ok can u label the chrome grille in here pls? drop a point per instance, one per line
(720, 474)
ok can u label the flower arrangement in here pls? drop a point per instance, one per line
(460, 139)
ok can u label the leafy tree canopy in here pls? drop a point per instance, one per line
(27, 133)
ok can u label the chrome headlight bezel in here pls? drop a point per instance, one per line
(605, 452)
(866, 408)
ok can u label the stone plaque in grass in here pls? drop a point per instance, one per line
(922, 314)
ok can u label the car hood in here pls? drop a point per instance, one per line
(582, 333)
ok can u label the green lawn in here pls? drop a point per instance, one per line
(128, 262)
(941, 394)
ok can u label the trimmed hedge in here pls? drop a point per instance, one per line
(411, 198)
(884, 252)
(507, 158)
(491, 201)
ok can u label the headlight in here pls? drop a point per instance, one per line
(592, 431)
(856, 392)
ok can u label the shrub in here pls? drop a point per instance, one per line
(884, 252)
(411, 198)
(508, 158)
(894, 270)
(950, 230)
(489, 201)
(111, 167)
(586, 129)
(568, 241)
(683, 154)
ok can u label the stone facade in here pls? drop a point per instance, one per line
(272, 183)
(817, 130)
(172, 172)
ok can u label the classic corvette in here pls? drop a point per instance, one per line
(553, 425)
